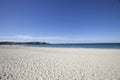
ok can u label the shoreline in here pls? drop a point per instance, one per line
(77, 46)
(62, 47)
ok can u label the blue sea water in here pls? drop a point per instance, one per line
(85, 45)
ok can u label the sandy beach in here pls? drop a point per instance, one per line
(36, 63)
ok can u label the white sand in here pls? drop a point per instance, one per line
(30, 63)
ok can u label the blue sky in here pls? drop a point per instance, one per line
(60, 21)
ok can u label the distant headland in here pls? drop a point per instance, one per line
(19, 43)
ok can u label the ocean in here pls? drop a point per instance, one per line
(82, 45)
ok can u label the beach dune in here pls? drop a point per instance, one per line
(37, 63)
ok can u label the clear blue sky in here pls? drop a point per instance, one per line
(60, 20)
